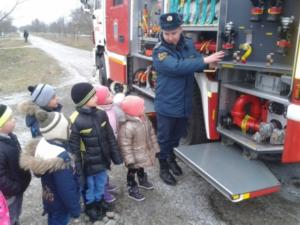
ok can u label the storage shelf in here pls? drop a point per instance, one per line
(257, 66)
(193, 27)
(138, 55)
(246, 140)
(144, 90)
(249, 89)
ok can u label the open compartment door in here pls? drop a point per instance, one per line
(227, 170)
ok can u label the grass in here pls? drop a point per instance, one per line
(23, 66)
(76, 41)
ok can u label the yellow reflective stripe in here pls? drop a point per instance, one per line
(240, 197)
(86, 131)
(82, 147)
(5, 117)
(103, 124)
(74, 116)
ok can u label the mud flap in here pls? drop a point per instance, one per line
(227, 170)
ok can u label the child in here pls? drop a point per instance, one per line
(138, 145)
(50, 160)
(113, 111)
(4, 212)
(44, 96)
(93, 142)
(13, 180)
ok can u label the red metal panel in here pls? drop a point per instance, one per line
(117, 26)
(117, 70)
(212, 116)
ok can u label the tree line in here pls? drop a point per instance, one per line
(77, 23)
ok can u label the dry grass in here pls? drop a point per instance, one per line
(76, 41)
(22, 66)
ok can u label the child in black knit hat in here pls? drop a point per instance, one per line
(13, 180)
(93, 142)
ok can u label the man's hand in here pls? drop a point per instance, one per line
(213, 59)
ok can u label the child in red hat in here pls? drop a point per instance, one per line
(138, 145)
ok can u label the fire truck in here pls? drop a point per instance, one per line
(246, 111)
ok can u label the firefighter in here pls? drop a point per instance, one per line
(175, 60)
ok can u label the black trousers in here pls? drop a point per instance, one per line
(131, 175)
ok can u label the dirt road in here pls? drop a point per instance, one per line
(193, 201)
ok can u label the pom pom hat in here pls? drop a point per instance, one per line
(133, 105)
(5, 114)
(42, 94)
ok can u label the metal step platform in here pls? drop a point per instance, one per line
(227, 170)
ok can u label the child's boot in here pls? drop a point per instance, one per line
(143, 181)
(108, 197)
(92, 212)
(134, 193)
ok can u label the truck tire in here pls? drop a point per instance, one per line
(195, 133)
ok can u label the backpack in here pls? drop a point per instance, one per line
(4, 212)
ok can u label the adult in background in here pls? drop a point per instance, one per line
(25, 35)
(175, 60)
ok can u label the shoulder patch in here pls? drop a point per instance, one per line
(162, 56)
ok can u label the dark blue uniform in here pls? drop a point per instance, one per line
(175, 66)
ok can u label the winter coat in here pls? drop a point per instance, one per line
(13, 179)
(138, 142)
(175, 66)
(33, 124)
(92, 141)
(115, 116)
(50, 161)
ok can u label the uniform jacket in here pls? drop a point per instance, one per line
(175, 66)
(138, 142)
(50, 161)
(92, 141)
(13, 179)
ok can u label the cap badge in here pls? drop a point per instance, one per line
(169, 18)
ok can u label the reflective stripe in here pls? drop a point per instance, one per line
(74, 116)
(87, 98)
(5, 117)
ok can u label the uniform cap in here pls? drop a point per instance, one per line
(170, 21)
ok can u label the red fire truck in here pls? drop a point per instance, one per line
(247, 110)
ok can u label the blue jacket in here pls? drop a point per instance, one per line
(52, 163)
(175, 66)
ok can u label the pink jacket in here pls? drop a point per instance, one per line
(4, 213)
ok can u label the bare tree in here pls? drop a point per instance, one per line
(6, 14)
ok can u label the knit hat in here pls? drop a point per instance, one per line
(133, 105)
(53, 125)
(81, 93)
(5, 114)
(41, 94)
(102, 93)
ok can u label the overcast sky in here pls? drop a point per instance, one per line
(44, 10)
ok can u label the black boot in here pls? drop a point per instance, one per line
(92, 212)
(165, 174)
(176, 170)
(103, 205)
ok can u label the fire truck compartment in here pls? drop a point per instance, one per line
(226, 169)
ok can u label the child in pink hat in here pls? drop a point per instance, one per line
(114, 113)
(138, 145)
